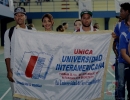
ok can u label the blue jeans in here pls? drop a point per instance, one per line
(123, 77)
(116, 79)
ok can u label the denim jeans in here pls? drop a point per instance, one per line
(116, 80)
(123, 77)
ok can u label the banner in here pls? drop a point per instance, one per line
(85, 5)
(53, 66)
(118, 3)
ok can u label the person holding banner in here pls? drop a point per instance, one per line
(47, 22)
(86, 19)
(124, 63)
(119, 73)
(19, 17)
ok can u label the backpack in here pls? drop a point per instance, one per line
(12, 30)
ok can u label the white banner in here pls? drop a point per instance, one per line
(118, 3)
(53, 66)
(85, 5)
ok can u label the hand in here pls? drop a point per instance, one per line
(114, 35)
(10, 76)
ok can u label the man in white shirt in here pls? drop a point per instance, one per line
(19, 17)
(86, 19)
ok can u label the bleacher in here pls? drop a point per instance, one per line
(56, 6)
(103, 5)
(66, 6)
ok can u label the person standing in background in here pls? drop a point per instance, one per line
(60, 28)
(6, 3)
(120, 67)
(39, 1)
(77, 24)
(65, 25)
(22, 1)
(96, 25)
(124, 62)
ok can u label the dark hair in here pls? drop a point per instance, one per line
(59, 27)
(125, 6)
(76, 21)
(64, 23)
(49, 16)
(31, 25)
(95, 25)
(127, 18)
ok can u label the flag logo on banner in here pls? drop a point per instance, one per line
(37, 65)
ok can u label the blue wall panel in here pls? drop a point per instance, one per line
(96, 14)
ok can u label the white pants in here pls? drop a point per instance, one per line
(12, 89)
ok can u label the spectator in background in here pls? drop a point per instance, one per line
(32, 26)
(6, 3)
(27, 2)
(86, 19)
(96, 25)
(60, 28)
(65, 25)
(77, 2)
(77, 24)
(22, 1)
(1, 1)
(124, 60)
(47, 22)
(39, 1)
(65, 0)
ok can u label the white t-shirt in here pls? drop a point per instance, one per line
(92, 29)
(81, 29)
(8, 43)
